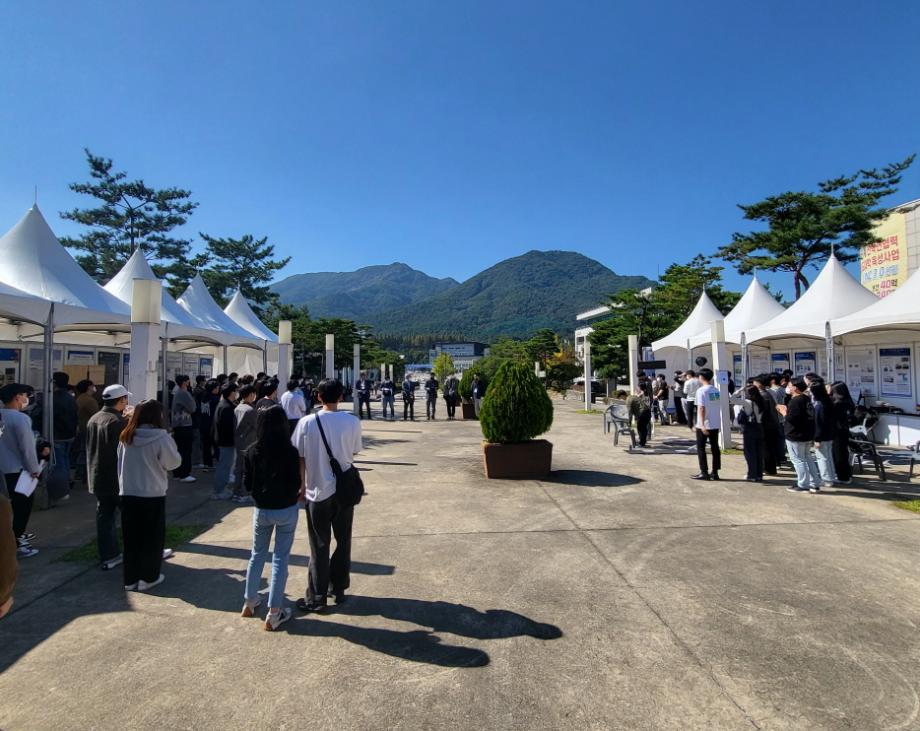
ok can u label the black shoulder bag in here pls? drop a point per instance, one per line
(348, 486)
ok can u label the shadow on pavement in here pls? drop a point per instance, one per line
(590, 478)
(296, 559)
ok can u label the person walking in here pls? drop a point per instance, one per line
(224, 433)
(708, 411)
(292, 401)
(102, 438)
(691, 386)
(843, 408)
(479, 392)
(639, 407)
(326, 516)
(825, 431)
(431, 396)
(363, 394)
(750, 419)
(388, 397)
(799, 428)
(271, 476)
(17, 455)
(451, 396)
(244, 416)
(146, 454)
(408, 394)
(182, 412)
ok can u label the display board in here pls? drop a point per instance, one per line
(861, 372)
(779, 362)
(10, 359)
(173, 365)
(77, 373)
(125, 366)
(759, 362)
(35, 364)
(736, 368)
(110, 361)
(190, 365)
(206, 367)
(806, 361)
(896, 376)
(81, 357)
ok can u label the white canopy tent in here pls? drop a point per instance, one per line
(676, 348)
(755, 307)
(242, 361)
(898, 311)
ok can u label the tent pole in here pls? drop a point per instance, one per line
(265, 356)
(829, 348)
(164, 347)
(744, 360)
(47, 366)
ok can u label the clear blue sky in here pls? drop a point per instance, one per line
(453, 135)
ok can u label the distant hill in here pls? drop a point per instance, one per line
(361, 294)
(515, 297)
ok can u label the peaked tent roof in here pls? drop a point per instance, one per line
(21, 306)
(899, 309)
(122, 286)
(35, 262)
(197, 301)
(241, 313)
(756, 307)
(834, 293)
(703, 315)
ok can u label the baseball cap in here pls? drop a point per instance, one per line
(115, 391)
(12, 390)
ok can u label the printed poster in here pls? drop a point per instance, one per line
(861, 372)
(759, 362)
(779, 362)
(894, 365)
(736, 368)
(805, 362)
(81, 357)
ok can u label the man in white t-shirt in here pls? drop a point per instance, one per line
(691, 386)
(294, 404)
(708, 424)
(325, 516)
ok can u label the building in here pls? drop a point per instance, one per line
(463, 354)
(886, 265)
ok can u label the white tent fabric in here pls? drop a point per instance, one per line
(835, 293)
(703, 315)
(17, 305)
(35, 262)
(241, 313)
(898, 311)
(756, 307)
(197, 301)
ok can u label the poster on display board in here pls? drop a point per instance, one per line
(173, 365)
(805, 362)
(9, 365)
(861, 372)
(759, 362)
(110, 361)
(206, 367)
(894, 365)
(81, 357)
(779, 362)
(190, 365)
(736, 368)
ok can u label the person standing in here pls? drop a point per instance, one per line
(677, 391)
(325, 515)
(267, 393)
(408, 394)
(479, 392)
(750, 419)
(207, 399)
(271, 476)
(102, 438)
(661, 397)
(431, 396)
(451, 395)
(292, 401)
(146, 454)
(639, 407)
(772, 431)
(690, 387)
(825, 431)
(843, 408)
(64, 411)
(708, 408)
(799, 428)
(182, 416)
(388, 397)
(224, 433)
(86, 406)
(363, 394)
(244, 416)
(18, 455)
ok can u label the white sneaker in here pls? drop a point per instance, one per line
(167, 553)
(273, 621)
(112, 563)
(188, 478)
(249, 608)
(26, 551)
(223, 495)
(145, 585)
(131, 587)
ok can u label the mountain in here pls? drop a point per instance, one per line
(515, 297)
(362, 294)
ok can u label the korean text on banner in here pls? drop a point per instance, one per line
(883, 265)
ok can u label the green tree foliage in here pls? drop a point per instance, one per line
(131, 215)
(804, 227)
(443, 366)
(516, 407)
(542, 345)
(510, 349)
(246, 263)
(561, 369)
(466, 380)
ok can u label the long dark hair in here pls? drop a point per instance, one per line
(840, 393)
(819, 393)
(754, 394)
(149, 413)
(273, 434)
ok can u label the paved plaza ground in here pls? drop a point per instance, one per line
(619, 594)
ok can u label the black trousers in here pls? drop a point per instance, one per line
(207, 447)
(184, 438)
(679, 413)
(772, 452)
(841, 453)
(430, 405)
(362, 402)
(20, 504)
(326, 519)
(644, 426)
(451, 407)
(713, 439)
(106, 538)
(408, 409)
(690, 413)
(143, 532)
(754, 451)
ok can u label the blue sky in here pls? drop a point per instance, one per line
(453, 135)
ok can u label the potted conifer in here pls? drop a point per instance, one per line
(515, 411)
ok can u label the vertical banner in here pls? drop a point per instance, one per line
(894, 366)
(883, 265)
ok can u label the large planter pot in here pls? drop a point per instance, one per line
(468, 410)
(531, 460)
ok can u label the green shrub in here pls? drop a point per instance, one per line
(516, 407)
(466, 381)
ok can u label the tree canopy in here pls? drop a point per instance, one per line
(246, 263)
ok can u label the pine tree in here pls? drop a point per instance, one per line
(245, 263)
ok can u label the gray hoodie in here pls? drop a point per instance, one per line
(143, 466)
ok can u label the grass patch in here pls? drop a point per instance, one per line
(589, 411)
(176, 535)
(732, 450)
(912, 505)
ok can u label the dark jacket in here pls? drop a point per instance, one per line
(102, 432)
(65, 414)
(770, 418)
(431, 388)
(800, 420)
(224, 424)
(825, 429)
(408, 390)
(363, 389)
(272, 479)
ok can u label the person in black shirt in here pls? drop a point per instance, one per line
(271, 474)
(363, 394)
(800, 436)
(431, 396)
(408, 394)
(843, 408)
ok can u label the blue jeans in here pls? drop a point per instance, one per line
(825, 458)
(806, 468)
(388, 400)
(284, 523)
(224, 468)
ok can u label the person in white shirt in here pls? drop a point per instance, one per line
(708, 424)
(294, 404)
(691, 386)
(325, 516)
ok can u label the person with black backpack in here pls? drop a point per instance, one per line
(451, 396)
(327, 442)
(271, 476)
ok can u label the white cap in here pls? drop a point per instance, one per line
(115, 391)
